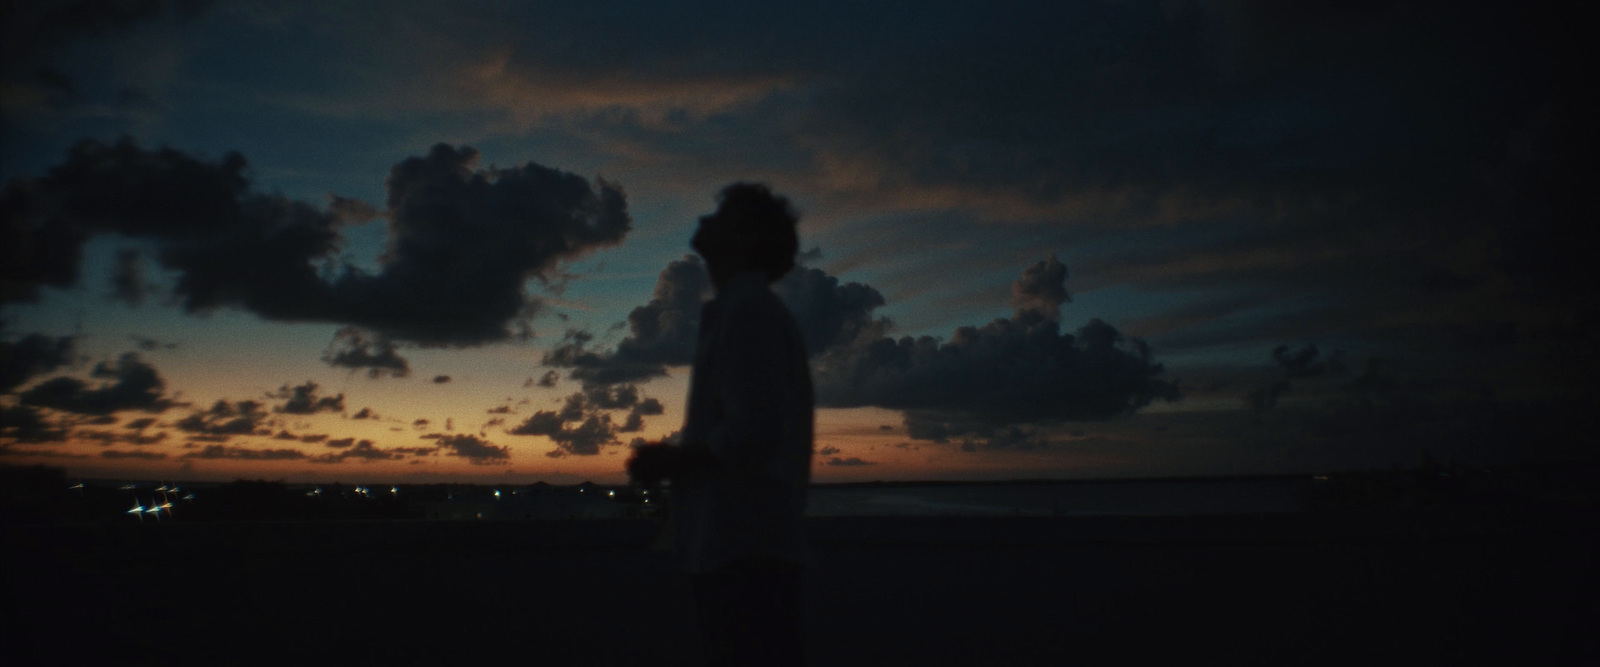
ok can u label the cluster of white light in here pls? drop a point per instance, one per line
(156, 508)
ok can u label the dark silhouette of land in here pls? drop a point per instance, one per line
(1484, 583)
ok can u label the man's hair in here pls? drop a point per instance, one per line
(764, 222)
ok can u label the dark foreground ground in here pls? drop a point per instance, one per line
(1472, 586)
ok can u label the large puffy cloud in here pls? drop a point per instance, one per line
(662, 332)
(462, 240)
(135, 386)
(1000, 384)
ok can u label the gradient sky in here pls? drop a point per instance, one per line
(419, 241)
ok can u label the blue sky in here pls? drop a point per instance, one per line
(1382, 181)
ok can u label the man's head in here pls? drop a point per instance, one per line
(751, 230)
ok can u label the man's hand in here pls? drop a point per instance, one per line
(654, 462)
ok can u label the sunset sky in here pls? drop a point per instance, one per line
(423, 241)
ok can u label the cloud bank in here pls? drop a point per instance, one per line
(462, 241)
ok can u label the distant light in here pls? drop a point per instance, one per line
(613, 494)
(496, 493)
(394, 490)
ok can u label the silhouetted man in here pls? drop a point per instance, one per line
(739, 475)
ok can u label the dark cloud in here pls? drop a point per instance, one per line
(998, 382)
(852, 461)
(132, 454)
(475, 450)
(224, 419)
(583, 424)
(364, 413)
(633, 424)
(365, 450)
(993, 385)
(113, 437)
(136, 386)
(1305, 363)
(613, 397)
(31, 356)
(313, 437)
(340, 443)
(829, 313)
(27, 425)
(245, 454)
(549, 379)
(586, 438)
(828, 450)
(649, 406)
(542, 422)
(303, 400)
(500, 410)
(441, 379)
(590, 431)
(1042, 288)
(462, 241)
(140, 423)
(355, 349)
(663, 332)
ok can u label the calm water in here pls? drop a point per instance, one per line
(1062, 499)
